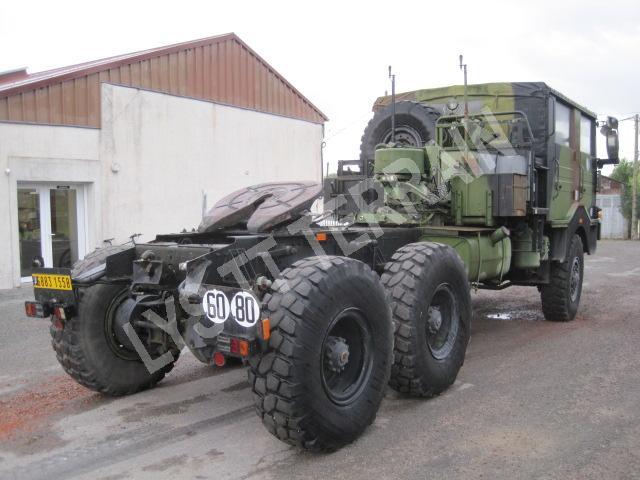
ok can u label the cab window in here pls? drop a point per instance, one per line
(585, 135)
(563, 124)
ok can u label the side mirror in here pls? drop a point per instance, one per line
(613, 145)
(609, 129)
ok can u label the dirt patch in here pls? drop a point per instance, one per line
(29, 410)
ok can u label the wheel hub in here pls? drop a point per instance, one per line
(442, 322)
(435, 319)
(336, 354)
(405, 136)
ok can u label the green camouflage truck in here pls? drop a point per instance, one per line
(483, 186)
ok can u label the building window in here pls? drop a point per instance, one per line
(563, 124)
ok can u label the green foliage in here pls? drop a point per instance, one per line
(624, 173)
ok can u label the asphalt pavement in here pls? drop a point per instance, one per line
(534, 399)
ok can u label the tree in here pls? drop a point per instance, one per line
(624, 173)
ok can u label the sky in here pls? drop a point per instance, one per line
(337, 52)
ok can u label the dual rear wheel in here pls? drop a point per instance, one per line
(340, 334)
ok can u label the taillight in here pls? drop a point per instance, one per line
(36, 309)
(239, 347)
(244, 348)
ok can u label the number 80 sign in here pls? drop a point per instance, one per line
(243, 307)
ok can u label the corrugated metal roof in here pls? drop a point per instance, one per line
(221, 68)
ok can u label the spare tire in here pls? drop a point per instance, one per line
(415, 126)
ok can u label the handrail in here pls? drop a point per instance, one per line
(484, 115)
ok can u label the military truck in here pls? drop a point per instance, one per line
(478, 186)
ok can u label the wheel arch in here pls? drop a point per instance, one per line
(581, 225)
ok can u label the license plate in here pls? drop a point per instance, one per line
(51, 281)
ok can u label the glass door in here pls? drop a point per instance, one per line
(30, 233)
(51, 223)
(63, 206)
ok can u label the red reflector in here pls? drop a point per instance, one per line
(234, 346)
(219, 360)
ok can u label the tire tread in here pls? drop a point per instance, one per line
(272, 376)
(402, 277)
(555, 298)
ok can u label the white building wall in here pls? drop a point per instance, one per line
(147, 168)
(170, 150)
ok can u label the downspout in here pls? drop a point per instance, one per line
(322, 145)
(11, 230)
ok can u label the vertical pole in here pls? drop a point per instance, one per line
(466, 101)
(393, 103)
(634, 187)
(463, 67)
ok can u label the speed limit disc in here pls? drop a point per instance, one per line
(216, 306)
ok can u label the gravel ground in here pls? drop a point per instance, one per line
(533, 400)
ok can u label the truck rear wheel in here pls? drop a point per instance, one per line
(320, 385)
(87, 351)
(561, 298)
(431, 308)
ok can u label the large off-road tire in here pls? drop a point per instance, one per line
(85, 352)
(415, 126)
(331, 345)
(561, 297)
(431, 307)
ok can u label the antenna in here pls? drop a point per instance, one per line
(393, 103)
(463, 67)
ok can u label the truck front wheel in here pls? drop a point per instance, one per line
(320, 385)
(561, 297)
